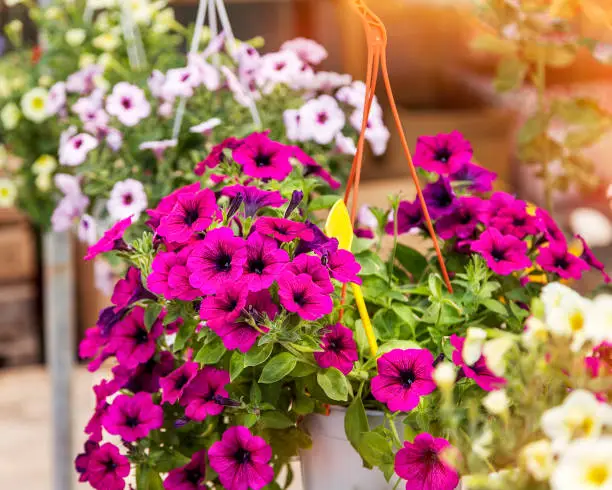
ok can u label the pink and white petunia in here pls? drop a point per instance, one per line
(281, 67)
(206, 127)
(87, 231)
(71, 206)
(321, 119)
(56, 99)
(128, 103)
(207, 73)
(293, 128)
(74, 148)
(180, 82)
(158, 147)
(128, 198)
(345, 145)
(309, 51)
(83, 81)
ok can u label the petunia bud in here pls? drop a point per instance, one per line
(296, 199)
(472, 348)
(234, 205)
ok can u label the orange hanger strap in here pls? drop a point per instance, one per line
(415, 178)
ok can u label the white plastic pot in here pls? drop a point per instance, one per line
(332, 463)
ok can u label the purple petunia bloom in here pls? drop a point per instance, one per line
(264, 262)
(192, 476)
(422, 465)
(192, 213)
(409, 218)
(440, 198)
(463, 221)
(549, 227)
(298, 294)
(556, 258)
(225, 306)
(111, 240)
(478, 178)
(216, 155)
(254, 199)
(320, 243)
(173, 385)
(158, 279)
(404, 376)
(108, 468)
(495, 203)
(241, 460)
(219, 258)
(81, 462)
(311, 265)
(242, 335)
(514, 220)
(284, 230)
(478, 371)
(146, 376)
(589, 257)
(342, 266)
(296, 198)
(504, 254)
(179, 278)
(129, 290)
(443, 153)
(263, 158)
(132, 342)
(133, 417)
(339, 349)
(199, 396)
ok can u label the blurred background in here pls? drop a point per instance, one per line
(440, 83)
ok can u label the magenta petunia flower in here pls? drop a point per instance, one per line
(130, 289)
(342, 266)
(589, 257)
(463, 221)
(404, 376)
(216, 155)
(440, 198)
(166, 205)
(192, 213)
(556, 258)
(504, 254)
(133, 417)
(284, 230)
(497, 202)
(192, 476)
(219, 258)
(443, 153)
(549, 227)
(200, 395)
(478, 371)
(300, 295)
(132, 342)
(254, 199)
(311, 265)
(311, 167)
(477, 178)
(158, 279)
(422, 465)
(173, 385)
(146, 376)
(111, 240)
(409, 217)
(81, 462)
(225, 306)
(242, 335)
(241, 460)
(108, 468)
(264, 262)
(263, 158)
(514, 220)
(320, 242)
(178, 278)
(339, 349)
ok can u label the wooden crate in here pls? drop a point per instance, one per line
(18, 262)
(20, 339)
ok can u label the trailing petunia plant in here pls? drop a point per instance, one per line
(96, 37)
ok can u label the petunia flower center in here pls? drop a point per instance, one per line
(181, 381)
(299, 298)
(78, 143)
(598, 475)
(242, 456)
(443, 155)
(224, 263)
(262, 160)
(132, 422)
(498, 255)
(407, 377)
(141, 336)
(280, 66)
(257, 266)
(334, 345)
(193, 476)
(126, 102)
(191, 216)
(110, 465)
(322, 117)
(128, 199)
(561, 263)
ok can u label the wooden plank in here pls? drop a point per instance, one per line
(59, 331)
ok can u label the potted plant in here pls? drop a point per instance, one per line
(232, 339)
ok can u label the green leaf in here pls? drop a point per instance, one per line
(184, 334)
(152, 312)
(258, 354)
(397, 344)
(147, 478)
(375, 449)
(322, 202)
(255, 394)
(211, 353)
(356, 422)
(533, 127)
(303, 405)
(386, 324)
(302, 370)
(276, 420)
(361, 245)
(411, 260)
(236, 365)
(371, 265)
(496, 307)
(334, 384)
(277, 368)
(511, 72)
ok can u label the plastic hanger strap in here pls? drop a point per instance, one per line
(376, 37)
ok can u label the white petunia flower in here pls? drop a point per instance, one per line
(156, 83)
(128, 103)
(68, 211)
(10, 116)
(83, 81)
(291, 119)
(496, 402)
(444, 376)
(34, 105)
(345, 145)
(75, 37)
(158, 147)
(87, 230)
(321, 119)
(43, 182)
(580, 415)
(328, 81)
(8, 193)
(585, 465)
(280, 67)
(472, 348)
(309, 51)
(127, 198)
(495, 352)
(592, 225)
(536, 332)
(554, 295)
(44, 164)
(207, 74)
(538, 459)
(104, 278)
(206, 127)
(180, 82)
(108, 41)
(56, 99)
(569, 319)
(74, 149)
(598, 322)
